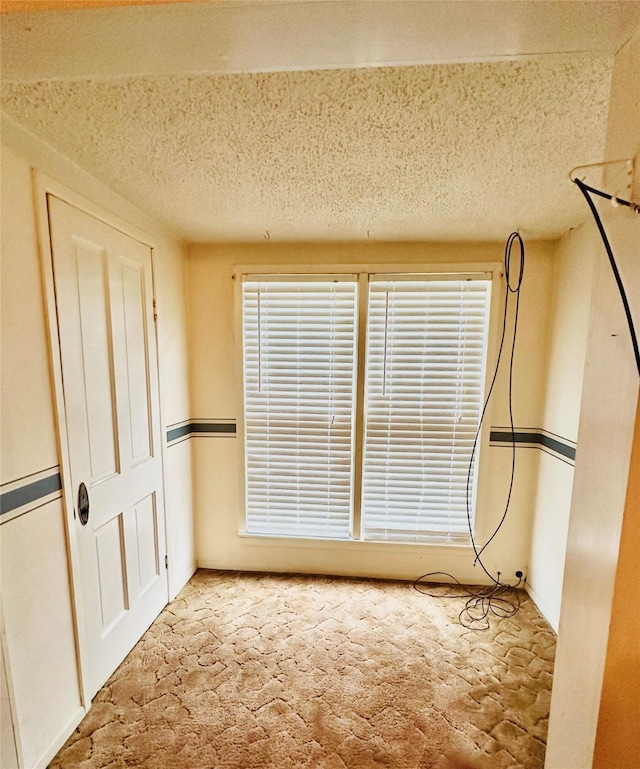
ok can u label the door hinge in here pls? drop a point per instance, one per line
(155, 307)
(166, 562)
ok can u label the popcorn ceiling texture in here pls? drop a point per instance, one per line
(452, 152)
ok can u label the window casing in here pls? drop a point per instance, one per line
(381, 387)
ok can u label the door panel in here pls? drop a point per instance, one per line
(137, 358)
(112, 582)
(104, 300)
(97, 378)
(147, 539)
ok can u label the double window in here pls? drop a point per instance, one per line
(362, 398)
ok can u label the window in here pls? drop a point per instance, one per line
(369, 446)
(299, 385)
(424, 382)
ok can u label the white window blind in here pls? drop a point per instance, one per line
(426, 348)
(299, 386)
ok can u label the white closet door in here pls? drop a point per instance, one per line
(104, 301)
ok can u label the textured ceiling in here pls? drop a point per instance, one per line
(458, 151)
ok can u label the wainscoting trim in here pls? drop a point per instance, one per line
(201, 428)
(535, 438)
(29, 492)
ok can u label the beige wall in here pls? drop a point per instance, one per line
(8, 751)
(214, 395)
(619, 714)
(170, 285)
(36, 600)
(605, 435)
(572, 284)
(26, 407)
(617, 736)
(37, 606)
(39, 634)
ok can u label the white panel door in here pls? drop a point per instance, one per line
(104, 300)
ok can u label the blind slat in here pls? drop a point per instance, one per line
(299, 382)
(426, 349)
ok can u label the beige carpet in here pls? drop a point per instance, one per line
(253, 671)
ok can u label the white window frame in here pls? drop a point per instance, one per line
(493, 271)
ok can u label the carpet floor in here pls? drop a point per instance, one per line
(246, 671)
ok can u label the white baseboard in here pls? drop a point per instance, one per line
(542, 608)
(46, 758)
(349, 573)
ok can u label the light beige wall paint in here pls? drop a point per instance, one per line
(28, 439)
(572, 289)
(549, 535)
(40, 645)
(214, 395)
(170, 287)
(610, 395)
(180, 519)
(8, 749)
(572, 284)
(169, 276)
(36, 599)
(619, 714)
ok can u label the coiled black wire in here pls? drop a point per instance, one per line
(499, 599)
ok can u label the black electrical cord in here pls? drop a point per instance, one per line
(499, 599)
(509, 290)
(600, 193)
(585, 190)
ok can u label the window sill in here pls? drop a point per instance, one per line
(463, 549)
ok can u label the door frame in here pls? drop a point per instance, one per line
(43, 188)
